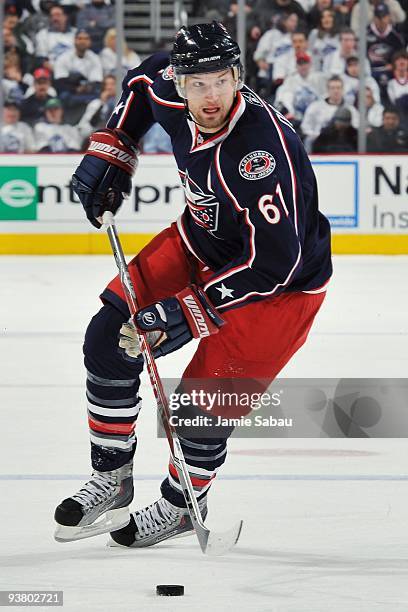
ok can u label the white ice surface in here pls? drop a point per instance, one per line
(325, 521)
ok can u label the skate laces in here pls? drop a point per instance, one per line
(156, 517)
(98, 489)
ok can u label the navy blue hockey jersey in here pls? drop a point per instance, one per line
(251, 211)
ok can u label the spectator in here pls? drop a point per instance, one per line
(71, 8)
(300, 90)
(285, 64)
(16, 136)
(39, 19)
(315, 13)
(21, 43)
(78, 76)
(252, 18)
(33, 106)
(275, 10)
(19, 7)
(390, 137)
(307, 5)
(211, 9)
(41, 74)
(99, 110)
(374, 110)
(320, 113)
(156, 140)
(96, 17)
(351, 81)
(342, 10)
(55, 40)
(382, 42)
(397, 88)
(324, 39)
(339, 136)
(54, 136)
(397, 14)
(272, 44)
(251, 66)
(130, 59)
(14, 84)
(335, 63)
(11, 47)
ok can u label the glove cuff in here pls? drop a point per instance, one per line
(202, 317)
(115, 147)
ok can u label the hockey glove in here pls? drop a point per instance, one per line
(173, 322)
(104, 176)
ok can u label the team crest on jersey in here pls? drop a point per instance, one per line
(257, 165)
(203, 206)
(168, 73)
(251, 98)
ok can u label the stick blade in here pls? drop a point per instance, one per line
(220, 543)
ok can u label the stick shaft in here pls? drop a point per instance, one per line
(155, 380)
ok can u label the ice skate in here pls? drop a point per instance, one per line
(100, 506)
(155, 523)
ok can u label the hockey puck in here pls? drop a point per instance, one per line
(170, 590)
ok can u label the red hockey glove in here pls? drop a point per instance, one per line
(104, 176)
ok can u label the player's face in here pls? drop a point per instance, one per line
(210, 97)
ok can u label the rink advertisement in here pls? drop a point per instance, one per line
(364, 197)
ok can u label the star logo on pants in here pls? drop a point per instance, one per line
(225, 292)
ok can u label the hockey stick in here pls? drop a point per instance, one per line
(211, 543)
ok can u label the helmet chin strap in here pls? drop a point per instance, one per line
(188, 112)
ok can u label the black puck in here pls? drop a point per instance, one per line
(170, 590)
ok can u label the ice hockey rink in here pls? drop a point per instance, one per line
(325, 520)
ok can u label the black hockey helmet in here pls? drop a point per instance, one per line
(205, 47)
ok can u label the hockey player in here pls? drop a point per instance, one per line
(251, 251)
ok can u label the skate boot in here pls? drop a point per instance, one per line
(100, 506)
(155, 523)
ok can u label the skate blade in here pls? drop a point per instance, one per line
(220, 543)
(112, 520)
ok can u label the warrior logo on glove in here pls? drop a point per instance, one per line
(104, 176)
(171, 323)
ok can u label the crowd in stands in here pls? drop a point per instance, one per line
(301, 55)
